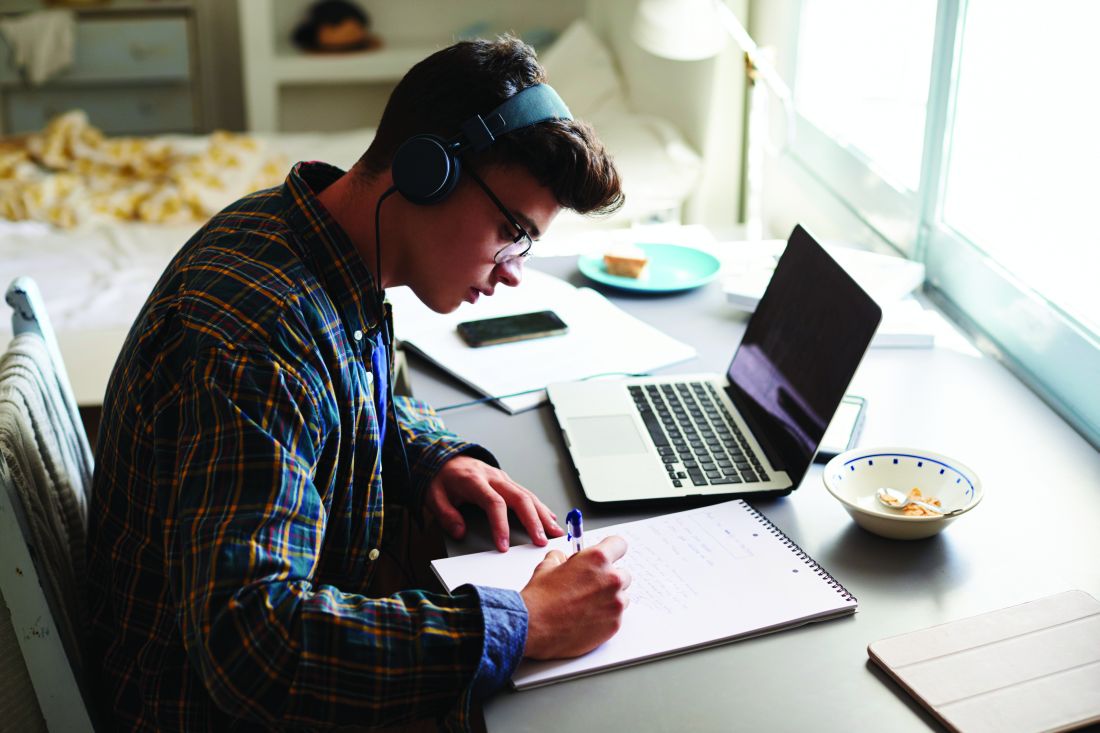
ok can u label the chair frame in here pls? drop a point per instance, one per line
(60, 695)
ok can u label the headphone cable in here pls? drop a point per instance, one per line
(387, 335)
(379, 292)
(535, 389)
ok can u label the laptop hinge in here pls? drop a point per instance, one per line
(762, 440)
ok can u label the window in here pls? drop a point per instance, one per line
(1025, 147)
(966, 133)
(862, 77)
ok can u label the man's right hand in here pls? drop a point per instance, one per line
(575, 604)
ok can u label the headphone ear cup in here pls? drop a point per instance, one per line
(424, 170)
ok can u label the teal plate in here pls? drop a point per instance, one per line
(671, 268)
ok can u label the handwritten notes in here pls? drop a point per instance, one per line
(700, 577)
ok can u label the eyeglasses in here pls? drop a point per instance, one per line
(521, 243)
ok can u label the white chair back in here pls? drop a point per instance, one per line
(45, 476)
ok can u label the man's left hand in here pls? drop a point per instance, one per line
(464, 480)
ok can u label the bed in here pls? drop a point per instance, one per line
(95, 276)
(96, 271)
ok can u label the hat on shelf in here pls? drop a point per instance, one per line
(335, 26)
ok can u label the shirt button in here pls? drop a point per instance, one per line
(373, 554)
(358, 335)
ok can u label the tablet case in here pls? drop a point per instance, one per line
(1031, 667)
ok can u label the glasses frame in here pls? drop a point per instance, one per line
(522, 235)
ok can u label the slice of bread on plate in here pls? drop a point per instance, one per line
(625, 261)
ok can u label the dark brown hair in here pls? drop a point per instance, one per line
(474, 77)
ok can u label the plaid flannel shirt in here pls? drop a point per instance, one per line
(237, 505)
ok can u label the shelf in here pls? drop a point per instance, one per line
(272, 64)
(114, 7)
(379, 65)
(274, 70)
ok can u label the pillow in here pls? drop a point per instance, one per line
(581, 69)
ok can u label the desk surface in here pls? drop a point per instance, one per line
(1034, 534)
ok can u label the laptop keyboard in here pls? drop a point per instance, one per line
(695, 434)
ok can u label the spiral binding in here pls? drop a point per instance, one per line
(801, 554)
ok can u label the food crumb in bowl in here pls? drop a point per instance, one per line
(915, 510)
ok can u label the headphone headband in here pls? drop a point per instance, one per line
(528, 107)
(426, 168)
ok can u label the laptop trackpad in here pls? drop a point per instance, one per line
(605, 435)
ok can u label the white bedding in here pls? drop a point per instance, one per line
(94, 280)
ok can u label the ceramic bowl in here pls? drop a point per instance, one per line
(854, 475)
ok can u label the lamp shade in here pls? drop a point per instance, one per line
(683, 30)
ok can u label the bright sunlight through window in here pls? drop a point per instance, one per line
(1025, 155)
(862, 77)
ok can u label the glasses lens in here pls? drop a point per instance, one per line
(519, 248)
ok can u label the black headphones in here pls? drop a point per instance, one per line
(426, 167)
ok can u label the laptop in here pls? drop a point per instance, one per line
(753, 432)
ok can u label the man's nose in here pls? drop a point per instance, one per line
(510, 272)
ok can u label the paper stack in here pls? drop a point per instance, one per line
(748, 267)
(602, 340)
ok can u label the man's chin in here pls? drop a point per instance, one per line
(441, 303)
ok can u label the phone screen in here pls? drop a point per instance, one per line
(505, 329)
(843, 431)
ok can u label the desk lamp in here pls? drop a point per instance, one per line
(693, 30)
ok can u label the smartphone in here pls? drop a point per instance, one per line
(843, 431)
(505, 329)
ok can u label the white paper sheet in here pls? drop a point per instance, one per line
(748, 268)
(602, 339)
(700, 577)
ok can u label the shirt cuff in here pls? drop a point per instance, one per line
(505, 636)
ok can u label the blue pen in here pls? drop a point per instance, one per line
(574, 530)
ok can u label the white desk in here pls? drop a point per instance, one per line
(1034, 534)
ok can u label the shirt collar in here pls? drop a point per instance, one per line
(326, 248)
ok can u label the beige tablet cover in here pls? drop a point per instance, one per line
(1031, 667)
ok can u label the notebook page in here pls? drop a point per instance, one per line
(700, 577)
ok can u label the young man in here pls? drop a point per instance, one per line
(251, 456)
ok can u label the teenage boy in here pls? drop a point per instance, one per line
(252, 457)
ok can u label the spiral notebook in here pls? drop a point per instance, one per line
(701, 577)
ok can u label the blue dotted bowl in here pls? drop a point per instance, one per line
(854, 476)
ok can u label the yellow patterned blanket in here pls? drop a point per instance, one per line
(71, 174)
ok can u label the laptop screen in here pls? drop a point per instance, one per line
(800, 350)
